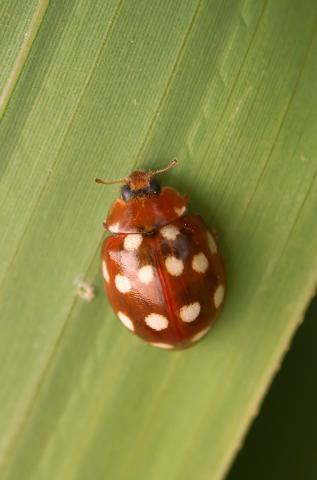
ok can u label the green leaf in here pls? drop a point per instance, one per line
(98, 89)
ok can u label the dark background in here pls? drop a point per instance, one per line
(282, 442)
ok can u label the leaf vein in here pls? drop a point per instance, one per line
(26, 46)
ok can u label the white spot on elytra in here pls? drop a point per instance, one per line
(218, 295)
(189, 313)
(180, 210)
(156, 321)
(174, 266)
(146, 274)
(122, 283)
(132, 241)
(114, 228)
(169, 232)
(200, 334)
(105, 271)
(212, 244)
(127, 322)
(162, 345)
(200, 263)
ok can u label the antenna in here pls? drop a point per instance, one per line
(165, 169)
(110, 182)
(145, 175)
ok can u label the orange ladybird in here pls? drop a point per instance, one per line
(162, 270)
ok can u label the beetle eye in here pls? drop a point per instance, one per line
(154, 187)
(126, 193)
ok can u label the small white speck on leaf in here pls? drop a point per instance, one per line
(84, 289)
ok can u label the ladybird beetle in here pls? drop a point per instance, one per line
(162, 270)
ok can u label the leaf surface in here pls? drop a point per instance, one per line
(103, 88)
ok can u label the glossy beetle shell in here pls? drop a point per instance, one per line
(166, 280)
